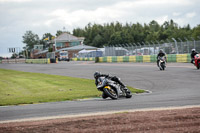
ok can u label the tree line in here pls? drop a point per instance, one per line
(116, 33)
(113, 33)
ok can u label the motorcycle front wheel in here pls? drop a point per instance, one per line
(104, 96)
(128, 93)
(110, 92)
(162, 66)
(198, 65)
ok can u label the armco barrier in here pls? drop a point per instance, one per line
(13, 61)
(38, 61)
(144, 58)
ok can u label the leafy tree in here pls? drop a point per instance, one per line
(59, 32)
(115, 38)
(98, 40)
(154, 26)
(46, 39)
(47, 36)
(196, 32)
(30, 39)
(78, 32)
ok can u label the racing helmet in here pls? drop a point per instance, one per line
(161, 51)
(193, 50)
(97, 74)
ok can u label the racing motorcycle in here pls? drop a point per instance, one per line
(162, 63)
(197, 61)
(112, 89)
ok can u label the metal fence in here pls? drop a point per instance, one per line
(175, 47)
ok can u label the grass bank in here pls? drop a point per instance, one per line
(18, 87)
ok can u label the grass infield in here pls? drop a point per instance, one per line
(18, 87)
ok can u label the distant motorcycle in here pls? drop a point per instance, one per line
(162, 63)
(112, 89)
(197, 61)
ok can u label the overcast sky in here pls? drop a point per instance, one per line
(48, 16)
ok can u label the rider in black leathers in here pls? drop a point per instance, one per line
(194, 52)
(160, 54)
(113, 78)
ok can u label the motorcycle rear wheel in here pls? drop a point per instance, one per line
(110, 92)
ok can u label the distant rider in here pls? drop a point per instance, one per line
(113, 78)
(160, 54)
(194, 52)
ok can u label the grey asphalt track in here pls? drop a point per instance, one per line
(179, 85)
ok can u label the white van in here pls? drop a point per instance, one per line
(63, 56)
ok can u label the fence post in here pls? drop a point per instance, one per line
(176, 45)
(149, 47)
(194, 43)
(135, 48)
(181, 45)
(112, 51)
(143, 47)
(169, 44)
(144, 44)
(125, 47)
(140, 46)
(132, 48)
(187, 44)
(153, 47)
(129, 48)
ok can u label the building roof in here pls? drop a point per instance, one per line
(41, 52)
(66, 37)
(78, 47)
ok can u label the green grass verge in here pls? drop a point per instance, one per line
(18, 87)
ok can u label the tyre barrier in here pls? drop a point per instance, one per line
(84, 59)
(184, 58)
(38, 61)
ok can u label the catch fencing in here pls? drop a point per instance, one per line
(175, 47)
(177, 51)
